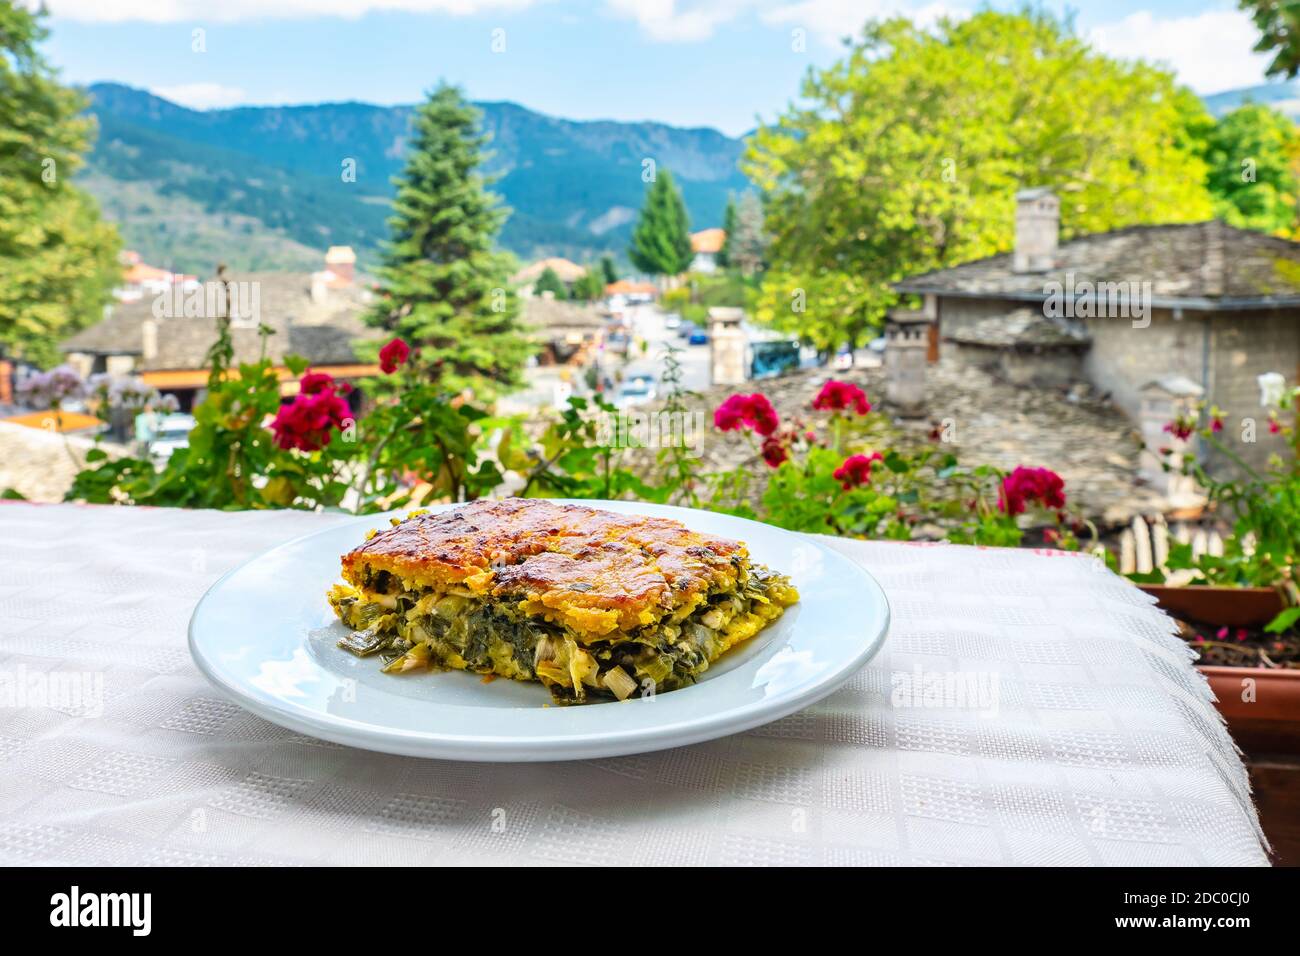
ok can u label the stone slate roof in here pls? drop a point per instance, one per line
(546, 315)
(565, 269)
(320, 331)
(1023, 329)
(1204, 265)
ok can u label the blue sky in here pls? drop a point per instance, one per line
(720, 63)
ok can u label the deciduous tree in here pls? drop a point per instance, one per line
(58, 258)
(906, 156)
(1252, 154)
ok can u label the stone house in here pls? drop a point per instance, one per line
(1203, 302)
(566, 333)
(164, 340)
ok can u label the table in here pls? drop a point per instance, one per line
(1086, 738)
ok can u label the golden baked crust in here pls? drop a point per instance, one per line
(594, 605)
(593, 571)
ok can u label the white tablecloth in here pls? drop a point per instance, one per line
(1092, 741)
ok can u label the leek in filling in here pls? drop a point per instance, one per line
(415, 629)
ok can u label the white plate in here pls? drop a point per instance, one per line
(265, 635)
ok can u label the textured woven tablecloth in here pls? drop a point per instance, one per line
(1085, 735)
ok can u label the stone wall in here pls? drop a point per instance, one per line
(958, 314)
(1123, 358)
(1225, 353)
(1243, 347)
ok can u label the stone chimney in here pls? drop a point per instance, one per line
(907, 344)
(726, 346)
(149, 340)
(1038, 227)
(341, 261)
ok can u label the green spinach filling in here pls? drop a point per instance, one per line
(497, 638)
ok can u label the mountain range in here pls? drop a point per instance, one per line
(1283, 97)
(264, 187)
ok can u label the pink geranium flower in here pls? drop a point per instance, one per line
(308, 422)
(392, 355)
(747, 411)
(856, 470)
(841, 396)
(1024, 485)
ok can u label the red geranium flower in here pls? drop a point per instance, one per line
(1274, 426)
(392, 355)
(308, 422)
(313, 382)
(747, 411)
(1031, 484)
(774, 452)
(839, 396)
(856, 470)
(1181, 428)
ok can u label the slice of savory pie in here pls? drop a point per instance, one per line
(591, 603)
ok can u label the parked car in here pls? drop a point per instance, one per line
(672, 321)
(698, 337)
(685, 330)
(172, 434)
(843, 359)
(637, 390)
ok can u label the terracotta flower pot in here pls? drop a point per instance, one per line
(1261, 704)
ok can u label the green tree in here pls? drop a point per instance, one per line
(443, 283)
(906, 156)
(58, 258)
(661, 242)
(1278, 22)
(590, 286)
(609, 270)
(728, 229)
(549, 281)
(1252, 154)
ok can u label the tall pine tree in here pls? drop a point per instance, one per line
(58, 258)
(444, 286)
(661, 242)
(728, 230)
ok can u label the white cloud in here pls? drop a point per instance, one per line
(201, 11)
(1208, 51)
(200, 96)
(832, 20)
(673, 22)
(676, 21)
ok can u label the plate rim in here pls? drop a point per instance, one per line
(491, 748)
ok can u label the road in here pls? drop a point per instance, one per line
(549, 385)
(647, 321)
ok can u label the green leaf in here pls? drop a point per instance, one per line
(1284, 621)
(1146, 577)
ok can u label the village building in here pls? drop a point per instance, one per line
(707, 246)
(567, 271)
(164, 339)
(1205, 302)
(566, 333)
(141, 281)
